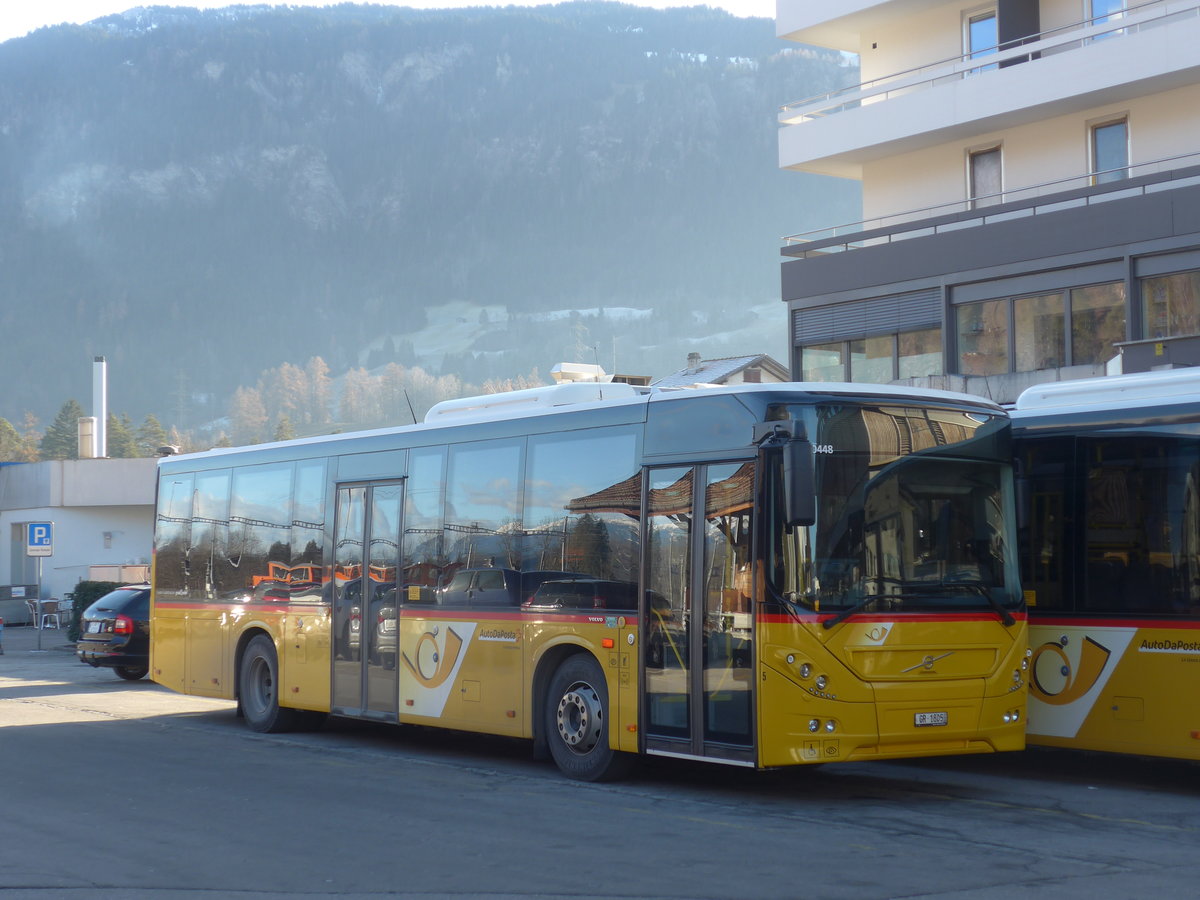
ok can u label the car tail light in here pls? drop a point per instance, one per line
(123, 625)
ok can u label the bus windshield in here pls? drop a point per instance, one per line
(911, 515)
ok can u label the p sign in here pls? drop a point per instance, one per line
(39, 539)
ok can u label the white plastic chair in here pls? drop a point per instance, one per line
(50, 614)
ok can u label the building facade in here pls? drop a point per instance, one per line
(103, 516)
(1030, 176)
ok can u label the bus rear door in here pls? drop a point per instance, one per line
(365, 608)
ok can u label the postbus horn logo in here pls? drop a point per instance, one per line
(1092, 659)
(434, 665)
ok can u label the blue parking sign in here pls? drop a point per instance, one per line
(39, 539)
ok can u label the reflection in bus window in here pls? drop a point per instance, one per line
(1139, 498)
(728, 636)
(583, 501)
(259, 522)
(902, 524)
(483, 502)
(173, 537)
(423, 553)
(210, 535)
(308, 520)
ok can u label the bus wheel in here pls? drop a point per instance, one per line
(259, 689)
(577, 722)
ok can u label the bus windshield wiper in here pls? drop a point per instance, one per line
(938, 587)
(1005, 616)
(852, 610)
(977, 587)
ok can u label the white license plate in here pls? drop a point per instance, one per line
(924, 720)
(94, 627)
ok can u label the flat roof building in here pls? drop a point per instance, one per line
(1030, 176)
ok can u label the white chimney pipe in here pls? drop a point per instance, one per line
(100, 406)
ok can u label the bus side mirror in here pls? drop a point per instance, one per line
(799, 483)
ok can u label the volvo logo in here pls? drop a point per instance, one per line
(926, 663)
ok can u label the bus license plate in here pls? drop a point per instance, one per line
(923, 720)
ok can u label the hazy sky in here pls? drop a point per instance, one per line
(19, 17)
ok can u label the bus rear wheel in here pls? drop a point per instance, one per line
(576, 722)
(258, 689)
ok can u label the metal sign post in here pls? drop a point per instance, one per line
(39, 542)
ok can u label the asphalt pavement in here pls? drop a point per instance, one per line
(27, 639)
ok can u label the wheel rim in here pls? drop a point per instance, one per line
(580, 717)
(260, 688)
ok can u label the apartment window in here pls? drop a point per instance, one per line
(873, 359)
(1101, 12)
(1043, 331)
(877, 359)
(983, 337)
(1097, 322)
(1039, 324)
(1110, 151)
(919, 353)
(984, 177)
(824, 362)
(1171, 305)
(980, 36)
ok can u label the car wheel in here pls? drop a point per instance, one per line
(576, 722)
(132, 673)
(258, 689)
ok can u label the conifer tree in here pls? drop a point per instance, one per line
(120, 438)
(61, 440)
(150, 436)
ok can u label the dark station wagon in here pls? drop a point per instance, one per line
(114, 632)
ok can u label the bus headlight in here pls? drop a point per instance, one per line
(1016, 676)
(805, 670)
(821, 682)
(830, 726)
(814, 725)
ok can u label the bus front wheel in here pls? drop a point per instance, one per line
(576, 722)
(259, 689)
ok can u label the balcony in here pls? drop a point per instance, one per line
(1034, 200)
(1150, 49)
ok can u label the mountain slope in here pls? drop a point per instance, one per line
(199, 196)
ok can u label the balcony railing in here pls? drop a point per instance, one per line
(1047, 197)
(1047, 43)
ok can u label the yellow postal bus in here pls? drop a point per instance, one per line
(762, 575)
(1110, 556)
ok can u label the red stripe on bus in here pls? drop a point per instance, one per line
(1109, 622)
(411, 613)
(981, 616)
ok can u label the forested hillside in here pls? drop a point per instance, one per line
(202, 196)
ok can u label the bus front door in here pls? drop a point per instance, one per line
(365, 608)
(697, 644)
